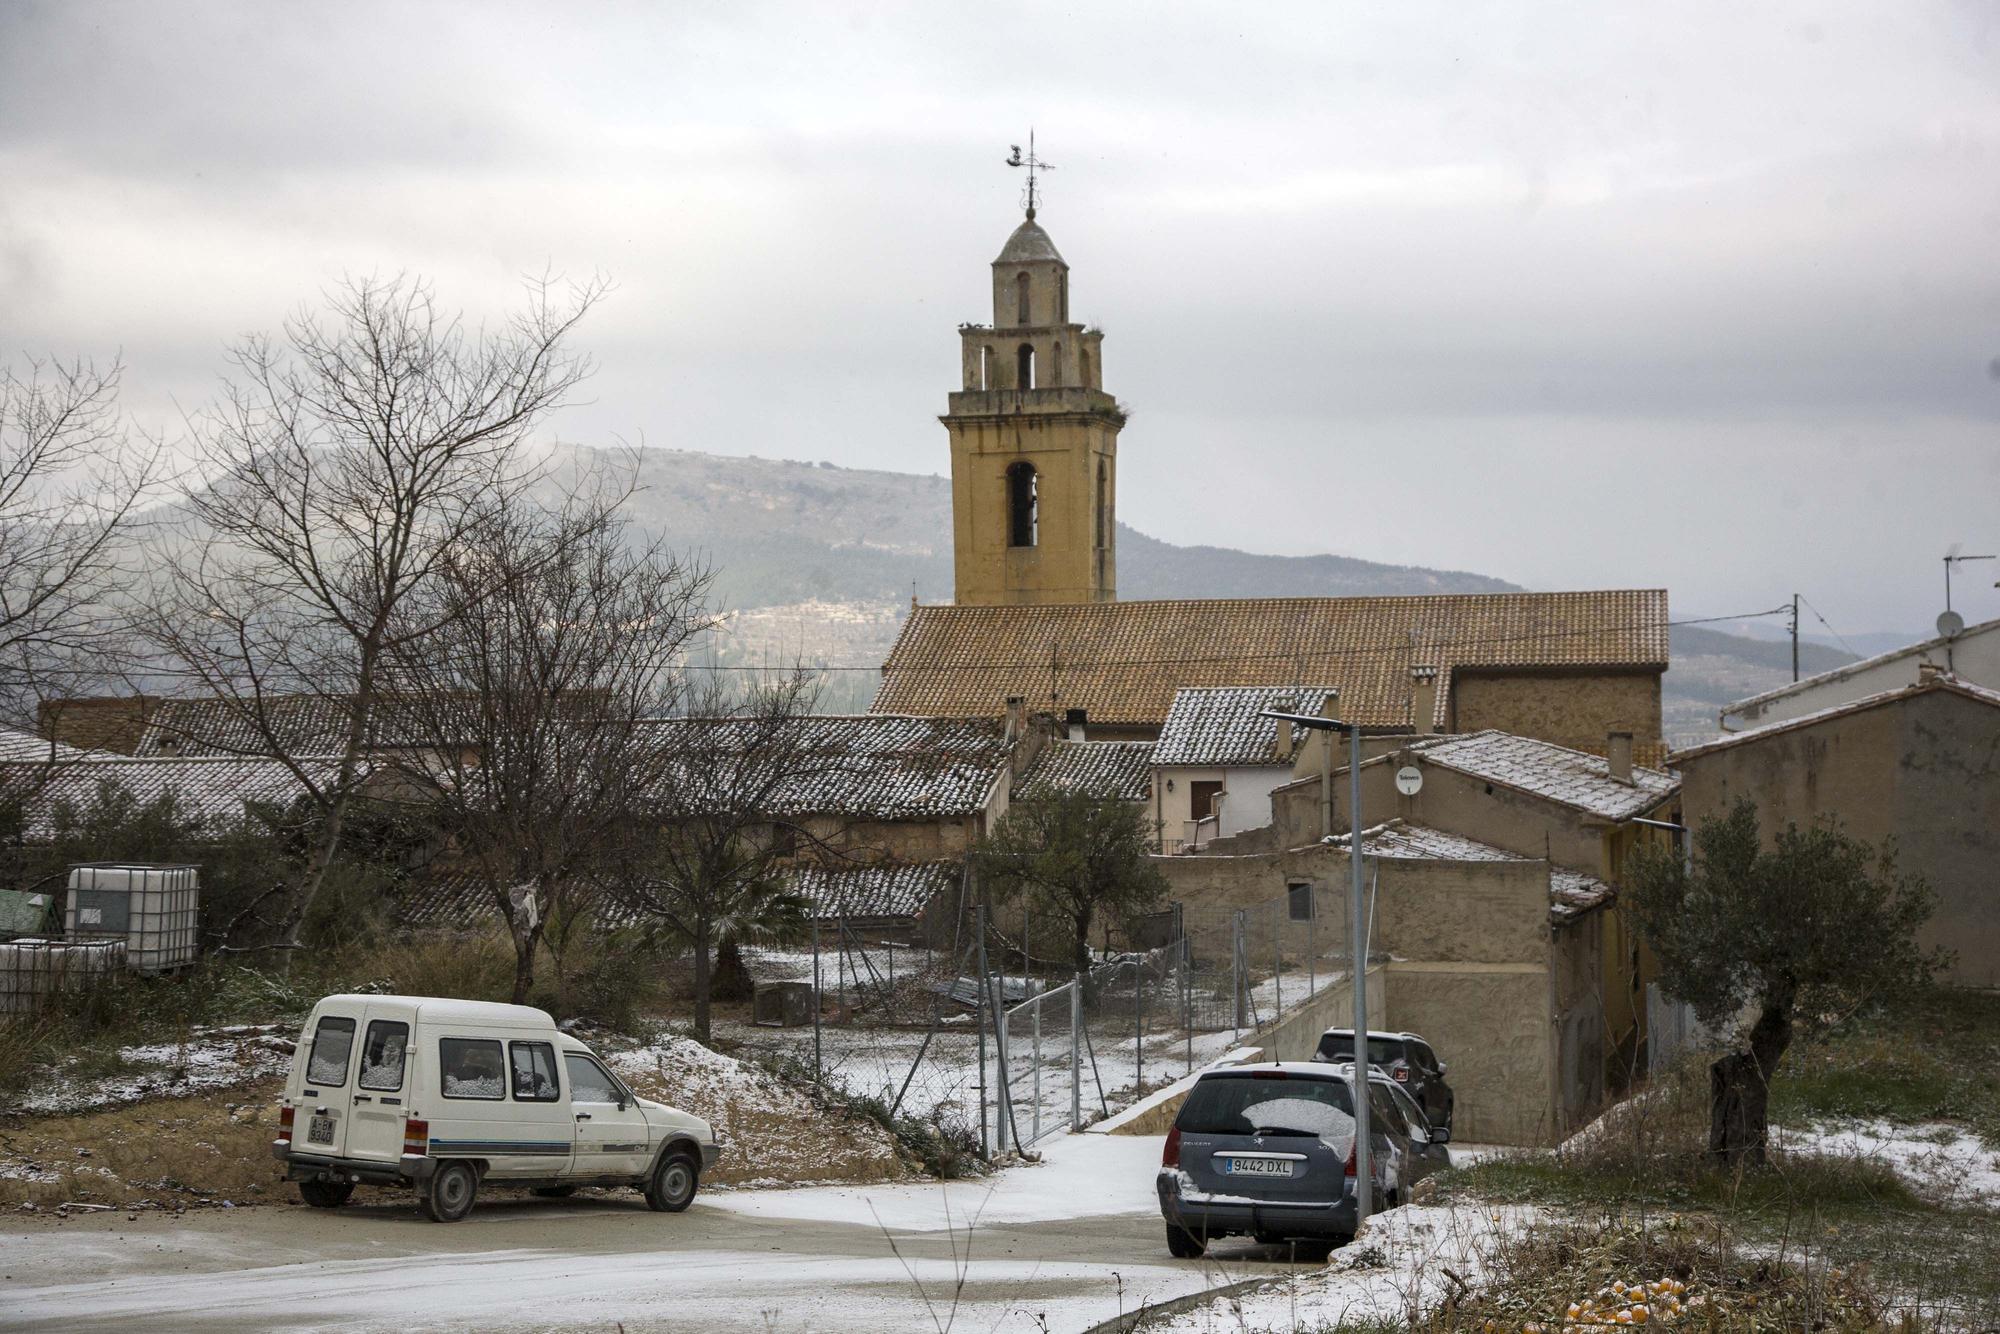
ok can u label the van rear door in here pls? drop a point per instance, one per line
(325, 1094)
(381, 1086)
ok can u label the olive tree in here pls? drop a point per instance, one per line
(1077, 854)
(1782, 937)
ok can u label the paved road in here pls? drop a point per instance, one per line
(1070, 1242)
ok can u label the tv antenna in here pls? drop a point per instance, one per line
(1033, 164)
(1952, 558)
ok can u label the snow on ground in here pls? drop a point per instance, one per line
(211, 1058)
(1393, 1271)
(772, 1129)
(1938, 1159)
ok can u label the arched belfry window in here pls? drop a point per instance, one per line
(986, 366)
(1055, 366)
(1024, 367)
(1021, 298)
(1021, 503)
(1062, 298)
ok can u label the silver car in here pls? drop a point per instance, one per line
(1267, 1151)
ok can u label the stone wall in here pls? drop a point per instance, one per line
(1489, 1024)
(1574, 709)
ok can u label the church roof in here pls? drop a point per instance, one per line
(1028, 244)
(1124, 661)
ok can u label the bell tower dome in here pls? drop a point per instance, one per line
(1034, 442)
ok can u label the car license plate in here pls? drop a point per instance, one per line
(319, 1130)
(1257, 1167)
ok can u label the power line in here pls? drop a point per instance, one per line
(1829, 628)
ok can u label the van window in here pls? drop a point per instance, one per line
(588, 1081)
(333, 1043)
(382, 1055)
(471, 1068)
(534, 1071)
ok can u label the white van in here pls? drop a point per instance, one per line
(445, 1094)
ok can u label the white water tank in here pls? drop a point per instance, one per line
(155, 910)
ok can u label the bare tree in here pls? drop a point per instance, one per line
(71, 482)
(346, 461)
(528, 705)
(727, 821)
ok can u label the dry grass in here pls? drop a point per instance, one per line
(182, 1151)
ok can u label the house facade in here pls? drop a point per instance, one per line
(1972, 655)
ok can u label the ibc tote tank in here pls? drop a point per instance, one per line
(153, 909)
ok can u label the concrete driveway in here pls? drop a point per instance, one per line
(1061, 1245)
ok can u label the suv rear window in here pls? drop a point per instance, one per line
(1340, 1047)
(1247, 1105)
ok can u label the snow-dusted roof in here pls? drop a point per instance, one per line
(1109, 768)
(1219, 725)
(208, 790)
(1846, 670)
(1567, 777)
(875, 891)
(302, 724)
(1571, 893)
(19, 747)
(1942, 681)
(866, 766)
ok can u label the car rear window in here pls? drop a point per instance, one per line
(1381, 1051)
(382, 1055)
(1246, 1105)
(333, 1043)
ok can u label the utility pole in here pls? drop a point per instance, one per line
(1357, 933)
(1795, 638)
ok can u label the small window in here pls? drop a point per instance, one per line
(1024, 366)
(1299, 900)
(534, 1072)
(1021, 298)
(1023, 505)
(1103, 505)
(589, 1081)
(333, 1043)
(471, 1068)
(382, 1055)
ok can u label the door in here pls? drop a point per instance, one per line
(322, 1119)
(1201, 799)
(521, 1130)
(611, 1134)
(375, 1129)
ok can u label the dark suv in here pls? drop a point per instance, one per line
(1405, 1058)
(1268, 1151)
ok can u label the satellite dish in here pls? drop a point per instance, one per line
(1409, 780)
(1949, 623)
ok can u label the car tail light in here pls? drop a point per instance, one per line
(1171, 1156)
(1353, 1161)
(1402, 1074)
(416, 1137)
(286, 1116)
(1270, 1074)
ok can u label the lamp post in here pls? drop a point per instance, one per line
(1357, 931)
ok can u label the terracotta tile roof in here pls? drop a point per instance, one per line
(1123, 661)
(882, 766)
(1117, 768)
(304, 725)
(1942, 681)
(1212, 725)
(1556, 773)
(208, 790)
(1571, 893)
(875, 891)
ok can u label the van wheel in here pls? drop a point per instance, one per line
(325, 1194)
(449, 1195)
(671, 1187)
(1183, 1244)
(555, 1192)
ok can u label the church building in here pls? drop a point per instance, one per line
(1035, 617)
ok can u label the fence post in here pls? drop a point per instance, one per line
(1036, 1137)
(985, 1151)
(1138, 1030)
(1312, 950)
(1278, 957)
(1237, 982)
(817, 1073)
(1075, 1052)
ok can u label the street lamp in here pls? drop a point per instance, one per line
(1357, 930)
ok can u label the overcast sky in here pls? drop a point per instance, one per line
(1697, 296)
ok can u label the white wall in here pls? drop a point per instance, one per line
(1973, 656)
(1247, 803)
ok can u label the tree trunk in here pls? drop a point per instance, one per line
(1740, 1087)
(732, 978)
(702, 980)
(525, 943)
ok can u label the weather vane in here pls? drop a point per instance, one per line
(1033, 164)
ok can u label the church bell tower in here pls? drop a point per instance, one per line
(1034, 441)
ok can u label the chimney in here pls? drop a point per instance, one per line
(1423, 698)
(1927, 672)
(1282, 742)
(1618, 749)
(1074, 721)
(1017, 716)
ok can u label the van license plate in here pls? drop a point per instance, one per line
(319, 1130)
(1258, 1167)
